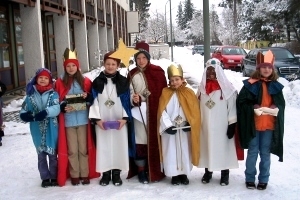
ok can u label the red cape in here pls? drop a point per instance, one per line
(62, 149)
(156, 81)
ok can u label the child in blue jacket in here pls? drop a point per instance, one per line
(41, 108)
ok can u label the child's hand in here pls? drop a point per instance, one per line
(69, 109)
(256, 106)
(122, 123)
(100, 124)
(135, 98)
(84, 95)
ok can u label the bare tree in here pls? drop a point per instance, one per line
(156, 32)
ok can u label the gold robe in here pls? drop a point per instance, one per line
(191, 109)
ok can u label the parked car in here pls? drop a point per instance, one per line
(286, 64)
(230, 56)
(198, 49)
(212, 49)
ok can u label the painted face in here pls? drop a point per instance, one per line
(176, 81)
(110, 66)
(265, 71)
(43, 80)
(142, 60)
(71, 68)
(211, 73)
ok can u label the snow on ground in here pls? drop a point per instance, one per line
(19, 177)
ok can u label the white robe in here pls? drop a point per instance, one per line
(139, 84)
(112, 145)
(217, 152)
(176, 149)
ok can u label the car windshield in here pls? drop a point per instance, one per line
(212, 49)
(280, 54)
(198, 47)
(233, 51)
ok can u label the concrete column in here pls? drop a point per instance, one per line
(103, 45)
(93, 44)
(32, 39)
(62, 37)
(80, 29)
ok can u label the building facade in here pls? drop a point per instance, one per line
(35, 33)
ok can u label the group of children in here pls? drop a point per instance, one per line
(151, 129)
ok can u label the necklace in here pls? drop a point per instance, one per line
(210, 103)
(109, 103)
(178, 120)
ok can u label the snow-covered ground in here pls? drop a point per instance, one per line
(19, 177)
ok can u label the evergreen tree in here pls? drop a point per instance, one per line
(188, 12)
(179, 18)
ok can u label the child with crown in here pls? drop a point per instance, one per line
(260, 111)
(178, 121)
(76, 150)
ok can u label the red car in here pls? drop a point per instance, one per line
(230, 56)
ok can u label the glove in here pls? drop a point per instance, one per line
(27, 117)
(231, 130)
(41, 115)
(187, 129)
(170, 131)
(62, 107)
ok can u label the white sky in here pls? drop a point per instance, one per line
(19, 177)
(161, 5)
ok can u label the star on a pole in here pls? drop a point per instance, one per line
(123, 53)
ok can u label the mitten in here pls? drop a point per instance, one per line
(170, 131)
(40, 116)
(63, 106)
(187, 129)
(231, 130)
(27, 117)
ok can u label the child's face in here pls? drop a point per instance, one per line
(111, 66)
(265, 71)
(43, 81)
(71, 68)
(176, 81)
(211, 73)
(141, 60)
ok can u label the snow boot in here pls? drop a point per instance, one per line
(53, 182)
(207, 176)
(116, 179)
(46, 183)
(224, 177)
(250, 185)
(262, 186)
(175, 180)
(184, 179)
(85, 180)
(106, 177)
(143, 178)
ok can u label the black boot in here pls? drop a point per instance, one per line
(184, 179)
(54, 182)
(116, 179)
(143, 177)
(106, 177)
(224, 177)
(175, 180)
(46, 183)
(207, 176)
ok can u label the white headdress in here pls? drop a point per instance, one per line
(226, 86)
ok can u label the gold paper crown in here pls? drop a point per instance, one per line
(175, 71)
(69, 54)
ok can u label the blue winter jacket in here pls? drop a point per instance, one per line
(79, 117)
(44, 133)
